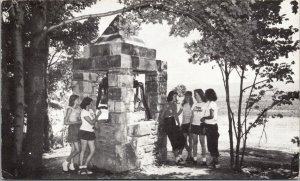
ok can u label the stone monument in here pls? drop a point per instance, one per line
(122, 141)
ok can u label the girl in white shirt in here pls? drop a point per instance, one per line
(86, 132)
(212, 133)
(198, 129)
(186, 110)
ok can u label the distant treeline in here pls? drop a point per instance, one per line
(285, 110)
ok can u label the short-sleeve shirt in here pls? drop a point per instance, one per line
(86, 126)
(199, 111)
(212, 105)
(186, 113)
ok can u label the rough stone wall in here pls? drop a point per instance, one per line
(117, 55)
(156, 91)
(85, 83)
(142, 137)
(112, 149)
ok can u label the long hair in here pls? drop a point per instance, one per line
(201, 94)
(72, 100)
(85, 102)
(211, 95)
(170, 95)
(188, 93)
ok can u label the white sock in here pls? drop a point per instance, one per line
(203, 159)
(195, 158)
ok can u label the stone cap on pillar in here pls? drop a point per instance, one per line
(114, 49)
(115, 33)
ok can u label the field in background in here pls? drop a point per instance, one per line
(279, 132)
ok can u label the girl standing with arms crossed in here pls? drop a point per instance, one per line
(186, 110)
(198, 129)
(212, 133)
(72, 118)
(87, 133)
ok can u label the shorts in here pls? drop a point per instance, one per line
(198, 129)
(73, 131)
(185, 128)
(86, 135)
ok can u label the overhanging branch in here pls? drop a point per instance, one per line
(99, 15)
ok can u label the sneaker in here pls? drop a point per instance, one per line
(189, 159)
(194, 161)
(89, 171)
(180, 162)
(214, 165)
(84, 171)
(65, 166)
(81, 170)
(71, 167)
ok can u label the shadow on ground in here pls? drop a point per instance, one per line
(169, 170)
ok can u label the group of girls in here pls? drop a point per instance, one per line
(81, 118)
(199, 120)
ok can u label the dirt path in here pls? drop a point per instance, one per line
(53, 170)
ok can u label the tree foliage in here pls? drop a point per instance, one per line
(65, 38)
(269, 42)
(180, 89)
(240, 36)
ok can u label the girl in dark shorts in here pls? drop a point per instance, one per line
(72, 118)
(168, 117)
(186, 110)
(198, 128)
(86, 132)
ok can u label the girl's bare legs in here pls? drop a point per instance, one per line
(83, 148)
(190, 140)
(195, 146)
(203, 147)
(74, 151)
(91, 144)
(187, 145)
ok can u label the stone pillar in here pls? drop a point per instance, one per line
(111, 147)
(156, 91)
(85, 84)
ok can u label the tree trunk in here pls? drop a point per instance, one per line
(37, 103)
(47, 122)
(19, 85)
(244, 149)
(238, 140)
(229, 115)
(7, 97)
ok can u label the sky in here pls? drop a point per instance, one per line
(171, 49)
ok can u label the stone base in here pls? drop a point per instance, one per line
(138, 151)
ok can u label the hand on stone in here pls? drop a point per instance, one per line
(98, 113)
